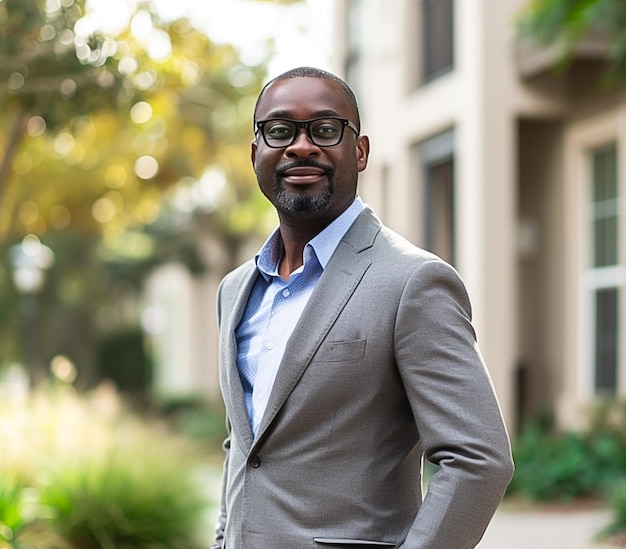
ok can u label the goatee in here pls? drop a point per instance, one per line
(300, 203)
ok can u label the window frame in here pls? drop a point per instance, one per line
(432, 153)
(601, 278)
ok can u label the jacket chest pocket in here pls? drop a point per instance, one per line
(329, 543)
(341, 351)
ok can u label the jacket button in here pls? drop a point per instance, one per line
(255, 461)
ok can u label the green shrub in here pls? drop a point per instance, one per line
(116, 504)
(551, 467)
(617, 502)
(607, 430)
(198, 419)
(567, 465)
(13, 516)
(92, 475)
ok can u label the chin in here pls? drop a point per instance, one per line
(302, 204)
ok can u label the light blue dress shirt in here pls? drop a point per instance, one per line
(274, 308)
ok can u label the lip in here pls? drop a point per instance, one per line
(301, 175)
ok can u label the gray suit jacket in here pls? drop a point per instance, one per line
(381, 370)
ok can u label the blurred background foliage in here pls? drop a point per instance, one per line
(563, 24)
(76, 475)
(586, 466)
(114, 150)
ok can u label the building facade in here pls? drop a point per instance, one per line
(513, 171)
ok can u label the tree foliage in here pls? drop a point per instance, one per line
(113, 146)
(98, 126)
(564, 23)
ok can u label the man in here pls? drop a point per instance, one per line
(346, 356)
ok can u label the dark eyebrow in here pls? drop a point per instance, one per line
(287, 114)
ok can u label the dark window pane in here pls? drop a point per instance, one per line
(436, 164)
(605, 173)
(354, 32)
(440, 209)
(605, 207)
(605, 242)
(438, 38)
(606, 341)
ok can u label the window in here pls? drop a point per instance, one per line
(437, 161)
(437, 38)
(605, 271)
(354, 33)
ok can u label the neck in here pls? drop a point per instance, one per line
(297, 231)
(295, 237)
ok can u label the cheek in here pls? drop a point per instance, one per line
(260, 166)
(264, 168)
(265, 157)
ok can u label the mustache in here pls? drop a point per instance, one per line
(328, 170)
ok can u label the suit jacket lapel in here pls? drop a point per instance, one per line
(335, 287)
(238, 413)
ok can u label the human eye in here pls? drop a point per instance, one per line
(279, 130)
(326, 129)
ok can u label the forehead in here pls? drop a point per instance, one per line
(303, 98)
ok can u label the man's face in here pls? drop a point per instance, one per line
(304, 180)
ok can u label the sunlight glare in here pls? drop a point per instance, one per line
(301, 32)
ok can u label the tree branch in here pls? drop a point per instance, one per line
(16, 133)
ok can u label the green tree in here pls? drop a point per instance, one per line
(109, 123)
(97, 130)
(564, 23)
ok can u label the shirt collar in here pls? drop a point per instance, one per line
(322, 245)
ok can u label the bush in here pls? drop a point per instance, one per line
(550, 467)
(13, 515)
(567, 465)
(87, 474)
(200, 420)
(617, 501)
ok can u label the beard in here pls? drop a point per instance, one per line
(298, 203)
(301, 204)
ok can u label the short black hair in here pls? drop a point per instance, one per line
(312, 72)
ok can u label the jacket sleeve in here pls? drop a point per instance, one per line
(455, 408)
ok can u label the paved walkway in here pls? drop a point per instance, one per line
(545, 528)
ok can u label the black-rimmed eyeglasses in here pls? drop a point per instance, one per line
(323, 132)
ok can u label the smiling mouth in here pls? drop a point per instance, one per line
(303, 175)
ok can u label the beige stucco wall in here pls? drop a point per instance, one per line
(477, 100)
(518, 228)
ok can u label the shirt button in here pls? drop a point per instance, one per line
(269, 345)
(255, 461)
(286, 293)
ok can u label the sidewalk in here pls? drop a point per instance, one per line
(545, 528)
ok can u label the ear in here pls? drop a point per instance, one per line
(362, 151)
(253, 147)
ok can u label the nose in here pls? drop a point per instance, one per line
(302, 146)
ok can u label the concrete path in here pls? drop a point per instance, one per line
(545, 528)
